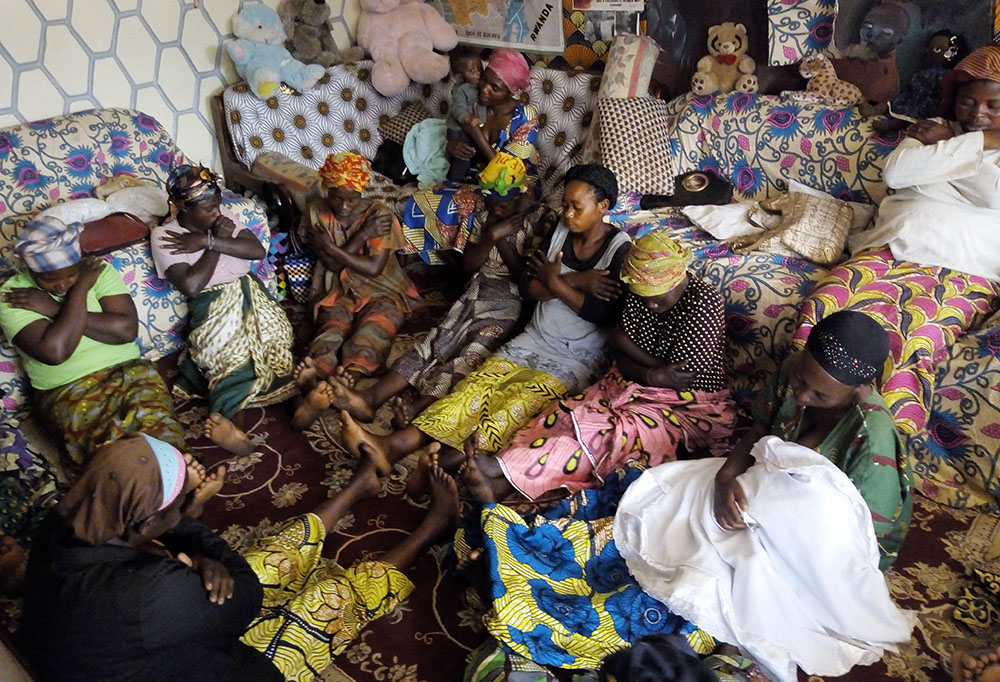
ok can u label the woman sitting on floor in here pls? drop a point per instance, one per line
(666, 391)
(74, 325)
(239, 348)
(481, 320)
(361, 293)
(778, 550)
(123, 585)
(561, 351)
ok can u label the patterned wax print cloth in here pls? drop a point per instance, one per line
(109, 404)
(925, 310)
(578, 442)
(239, 351)
(313, 608)
(562, 594)
(28, 485)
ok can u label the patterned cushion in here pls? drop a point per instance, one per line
(635, 143)
(398, 126)
(798, 28)
(50, 161)
(759, 141)
(630, 66)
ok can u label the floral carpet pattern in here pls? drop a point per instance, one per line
(428, 638)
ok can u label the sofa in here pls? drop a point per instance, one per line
(344, 112)
(54, 160)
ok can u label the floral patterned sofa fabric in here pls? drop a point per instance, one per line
(53, 160)
(755, 141)
(95, 145)
(344, 113)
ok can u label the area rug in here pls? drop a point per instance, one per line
(428, 638)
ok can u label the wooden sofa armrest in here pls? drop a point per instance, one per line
(239, 178)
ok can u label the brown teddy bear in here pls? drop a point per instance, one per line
(726, 67)
(310, 40)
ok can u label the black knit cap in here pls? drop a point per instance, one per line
(850, 346)
(603, 181)
(656, 658)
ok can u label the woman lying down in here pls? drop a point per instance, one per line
(778, 548)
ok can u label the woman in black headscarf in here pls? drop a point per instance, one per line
(824, 398)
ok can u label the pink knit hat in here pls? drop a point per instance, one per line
(511, 67)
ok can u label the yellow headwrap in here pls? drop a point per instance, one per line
(505, 176)
(655, 265)
(346, 169)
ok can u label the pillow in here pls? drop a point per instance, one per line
(635, 143)
(115, 231)
(398, 126)
(77, 210)
(147, 203)
(798, 28)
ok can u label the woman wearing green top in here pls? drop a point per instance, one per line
(824, 398)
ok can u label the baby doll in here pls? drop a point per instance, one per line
(922, 95)
(467, 67)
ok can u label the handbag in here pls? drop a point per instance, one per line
(114, 231)
(695, 188)
(810, 227)
(293, 263)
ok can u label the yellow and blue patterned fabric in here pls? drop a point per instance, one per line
(562, 594)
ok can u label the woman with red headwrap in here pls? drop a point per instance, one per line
(360, 293)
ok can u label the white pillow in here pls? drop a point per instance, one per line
(78, 210)
(722, 222)
(863, 213)
(146, 202)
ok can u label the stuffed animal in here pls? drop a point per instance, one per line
(727, 66)
(401, 36)
(310, 39)
(260, 56)
(823, 82)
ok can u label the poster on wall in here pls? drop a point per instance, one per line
(609, 5)
(527, 25)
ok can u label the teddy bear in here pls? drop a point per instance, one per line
(260, 56)
(727, 66)
(310, 39)
(401, 36)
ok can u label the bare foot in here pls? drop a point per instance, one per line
(315, 402)
(416, 483)
(208, 488)
(469, 560)
(443, 512)
(195, 472)
(471, 475)
(982, 665)
(346, 398)
(12, 566)
(355, 437)
(306, 375)
(224, 433)
(402, 412)
(344, 377)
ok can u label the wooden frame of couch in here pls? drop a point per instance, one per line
(239, 178)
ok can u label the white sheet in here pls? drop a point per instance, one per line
(801, 588)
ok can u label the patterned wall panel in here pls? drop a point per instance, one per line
(163, 57)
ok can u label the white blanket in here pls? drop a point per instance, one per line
(800, 588)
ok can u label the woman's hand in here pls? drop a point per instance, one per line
(223, 227)
(185, 242)
(544, 270)
(35, 300)
(90, 270)
(214, 576)
(505, 228)
(729, 501)
(462, 151)
(929, 132)
(377, 225)
(672, 375)
(597, 283)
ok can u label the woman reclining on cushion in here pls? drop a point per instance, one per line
(74, 325)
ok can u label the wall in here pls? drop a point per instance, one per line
(163, 57)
